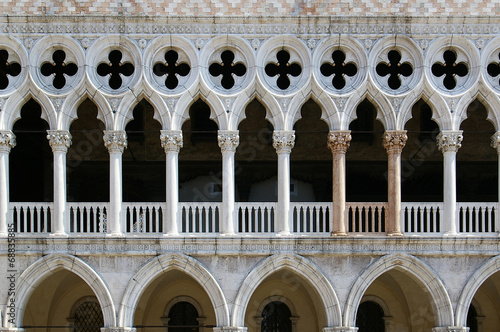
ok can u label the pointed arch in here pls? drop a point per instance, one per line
(487, 98)
(12, 108)
(72, 102)
(163, 264)
(415, 268)
(48, 265)
(273, 110)
(470, 289)
(297, 264)
(127, 105)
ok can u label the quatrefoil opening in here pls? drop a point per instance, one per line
(394, 68)
(171, 68)
(59, 69)
(450, 68)
(339, 69)
(115, 68)
(227, 68)
(282, 69)
(494, 68)
(7, 69)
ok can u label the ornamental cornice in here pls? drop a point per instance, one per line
(7, 141)
(283, 141)
(171, 140)
(339, 141)
(228, 140)
(449, 141)
(394, 140)
(115, 140)
(59, 140)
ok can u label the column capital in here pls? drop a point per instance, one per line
(228, 140)
(394, 140)
(495, 141)
(449, 140)
(59, 140)
(7, 140)
(339, 140)
(171, 140)
(283, 140)
(115, 140)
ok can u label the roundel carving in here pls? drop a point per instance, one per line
(490, 64)
(12, 66)
(171, 64)
(57, 64)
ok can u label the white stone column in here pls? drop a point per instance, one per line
(230, 329)
(115, 141)
(228, 142)
(7, 142)
(495, 143)
(118, 329)
(338, 142)
(171, 141)
(60, 141)
(394, 141)
(448, 143)
(283, 142)
(450, 329)
(340, 329)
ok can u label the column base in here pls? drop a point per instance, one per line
(283, 233)
(395, 234)
(450, 329)
(115, 235)
(4, 235)
(339, 234)
(11, 329)
(227, 234)
(62, 235)
(450, 234)
(118, 329)
(340, 329)
(230, 329)
(171, 234)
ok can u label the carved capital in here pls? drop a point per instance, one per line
(171, 140)
(59, 140)
(394, 140)
(115, 140)
(339, 141)
(228, 140)
(7, 141)
(283, 141)
(449, 141)
(495, 141)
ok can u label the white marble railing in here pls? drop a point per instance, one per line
(143, 217)
(479, 218)
(311, 218)
(87, 217)
(366, 217)
(31, 217)
(421, 218)
(255, 217)
(200, 218)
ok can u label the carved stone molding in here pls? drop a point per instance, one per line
(394, 140)
(7, 141)
(171, 140)
(283, 141)
(115, 140)
(339, 141)
(228, 140)
(449, 141)
(59, 140)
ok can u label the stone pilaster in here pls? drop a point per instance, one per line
(60, 141)
(228, 142)
(338, 142)
(394, 141)
(448, 143)
(7, 142)
(171, 141)
(115, 141)
(283, 142)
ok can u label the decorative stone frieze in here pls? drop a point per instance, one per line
(171, 140)
(283, 141)
(339, 141)
(59, 140)
(115, 140)
(228, 140)
(394, 140)
(7, 141)
(449, 141)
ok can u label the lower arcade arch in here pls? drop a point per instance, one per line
(412, 292)
(52, 285)
(294, 281)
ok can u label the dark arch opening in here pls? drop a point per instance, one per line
(276, 318)
(185, 316)
(370, 317)
(31, 160)
(472, 319)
